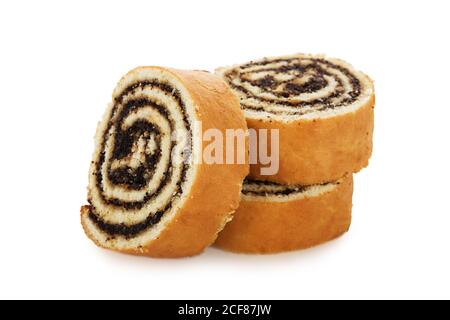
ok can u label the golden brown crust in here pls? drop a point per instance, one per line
(319, 150)
(215, 192)
(270, 227)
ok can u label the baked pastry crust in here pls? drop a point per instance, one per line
(319, 150)
(215, 192)
(265, 226)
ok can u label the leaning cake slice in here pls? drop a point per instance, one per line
(149, 192)
(323, 108)
(275, 218)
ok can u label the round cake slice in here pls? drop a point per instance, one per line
(149, 191)
(322, 107)
(275, 218)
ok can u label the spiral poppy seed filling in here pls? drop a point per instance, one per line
(266, 189)
(136, 142)
(294, 86)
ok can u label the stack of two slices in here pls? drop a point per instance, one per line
(150, 195)
(323, 111)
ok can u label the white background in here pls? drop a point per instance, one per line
(59, 62)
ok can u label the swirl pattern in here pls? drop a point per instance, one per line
(295, 85)
(140, 171)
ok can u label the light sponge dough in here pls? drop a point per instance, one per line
(276, 218)
(322, 107)
(149, 193)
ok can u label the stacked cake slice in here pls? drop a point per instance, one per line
(323, 110)
(147, 194)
